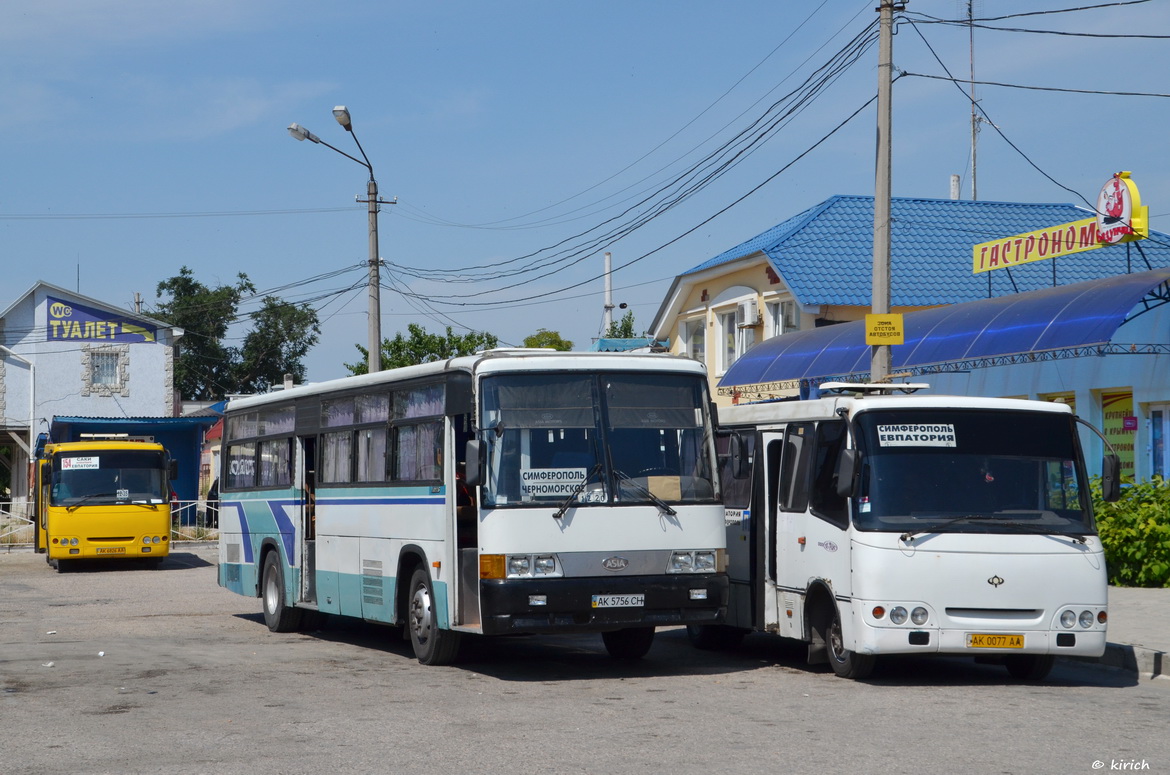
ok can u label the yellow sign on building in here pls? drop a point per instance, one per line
(1121, 217)
(884, 329)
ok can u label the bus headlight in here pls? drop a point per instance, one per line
(919, 616)
(518, 566)
(698, 561)
(73, 542)
(1068, 619)
(898, 615)
(1086, 619)
(705, 562)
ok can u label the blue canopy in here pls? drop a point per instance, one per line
(1079, 315)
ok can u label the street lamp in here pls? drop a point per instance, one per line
(374, 333)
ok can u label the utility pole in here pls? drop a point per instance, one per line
(974, 114)
(374, 315)
(879, 369)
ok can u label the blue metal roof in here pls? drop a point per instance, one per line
(1078, 315)
(825, 254)
(618, 345)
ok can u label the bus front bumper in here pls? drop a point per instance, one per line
(597, 604)
(913, 640)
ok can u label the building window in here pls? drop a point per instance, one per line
(783, 317)
(737, 334)
(1159, 427)
(727, 335)
(694, 337)
(104, 369)
(790, 316)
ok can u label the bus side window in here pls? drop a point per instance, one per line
(824, 500)
(795, 466)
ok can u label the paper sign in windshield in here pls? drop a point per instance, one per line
(550, 482)
(916, 435)
(71, 463)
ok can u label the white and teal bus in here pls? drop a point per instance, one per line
(866, 523)
(513, 491)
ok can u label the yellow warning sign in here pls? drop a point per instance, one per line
(883, 329)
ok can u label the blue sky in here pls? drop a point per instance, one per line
(143, 136)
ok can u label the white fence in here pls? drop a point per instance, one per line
(190, 521)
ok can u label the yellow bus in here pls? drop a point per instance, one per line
(103, 499)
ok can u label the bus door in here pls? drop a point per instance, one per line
(812, 538)
(466, 526)
(41, 505)
(306, 489)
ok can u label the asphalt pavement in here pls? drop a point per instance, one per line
(1139, 631)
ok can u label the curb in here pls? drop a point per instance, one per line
(1138, 660)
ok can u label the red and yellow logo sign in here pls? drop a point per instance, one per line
(1120, 218)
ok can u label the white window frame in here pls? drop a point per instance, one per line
(742, 337)
(685, 330)
(782, 316)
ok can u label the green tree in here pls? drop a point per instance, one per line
(282, 335)
(208, 369)
(622, 329)
(545, 338)
(422, 347)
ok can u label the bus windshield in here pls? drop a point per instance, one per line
(971, 471)
(105, 477)
(596, 439)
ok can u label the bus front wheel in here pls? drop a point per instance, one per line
(845, 663)
(278, 616)
(630, 643)
(432, 644)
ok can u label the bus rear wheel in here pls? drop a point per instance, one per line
(845, 663)
(278, 616)
(629, 643)
(432, 644)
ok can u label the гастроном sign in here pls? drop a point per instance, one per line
(1121, 217)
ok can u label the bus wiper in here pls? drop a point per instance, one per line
(80, 501)
(910, 535)
(661, 504)
(580, 488)
(1039, 530)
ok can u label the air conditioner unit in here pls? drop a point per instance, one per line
(749, 313)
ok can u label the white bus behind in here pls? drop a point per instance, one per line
(869, 524)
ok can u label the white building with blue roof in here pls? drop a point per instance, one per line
(758, 315)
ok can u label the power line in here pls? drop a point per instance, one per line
(689, 231)
(134, 216)
(1037, 88)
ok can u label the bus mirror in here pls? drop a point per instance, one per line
(739, 458)
(846, 472)
(1111, 478)
(472, 474)
(173, 469)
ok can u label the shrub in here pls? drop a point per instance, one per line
(1135, 532)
